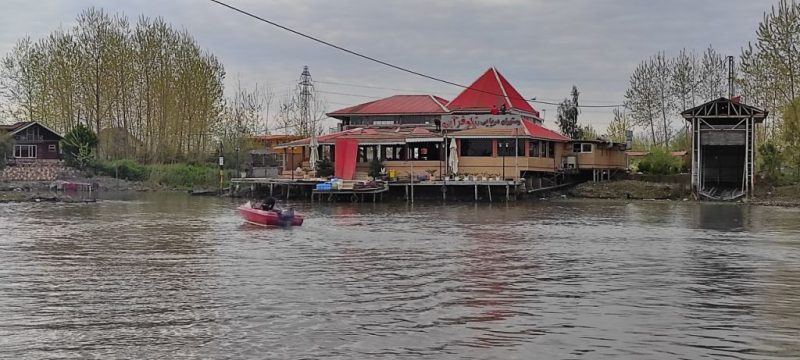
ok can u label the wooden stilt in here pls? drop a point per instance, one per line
(507, 194)
(287, 191)
(489, 190)
(476, 192)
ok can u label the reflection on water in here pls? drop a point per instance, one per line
(171, 276)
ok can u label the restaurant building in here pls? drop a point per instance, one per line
(488, 131)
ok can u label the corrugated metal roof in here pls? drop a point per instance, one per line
(396, 105)
(490, 89)
(540, 132)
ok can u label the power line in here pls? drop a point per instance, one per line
(543, 101)
(373, 87)
(366, 57)
(348, 94)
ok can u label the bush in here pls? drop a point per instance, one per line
(661, 162)
(184, 175)
(77, 146)
(770, 161)
(324, 167)
(123, 169)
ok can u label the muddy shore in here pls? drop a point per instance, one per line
(785, 196)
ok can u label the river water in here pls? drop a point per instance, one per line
(171, 276)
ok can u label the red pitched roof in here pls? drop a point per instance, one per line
(541, 132)
(491, 88)
(397, 104)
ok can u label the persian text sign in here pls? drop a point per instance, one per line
(462, 122)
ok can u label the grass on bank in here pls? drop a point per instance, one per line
(173, 176)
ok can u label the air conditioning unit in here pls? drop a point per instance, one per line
(570, 162)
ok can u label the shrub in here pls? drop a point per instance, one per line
(77, 146)
(661, 162)
(123, 169)
(183, 175)
(324, 167)
(771, 162)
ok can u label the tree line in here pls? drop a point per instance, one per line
(146, 89)
(766, 75)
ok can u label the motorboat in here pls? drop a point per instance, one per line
(275, 217)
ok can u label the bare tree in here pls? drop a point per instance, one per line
(713, 76)
(641, 98)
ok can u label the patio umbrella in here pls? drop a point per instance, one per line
(314, 155)
(452, 161)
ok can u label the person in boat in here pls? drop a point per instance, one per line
(269, 205)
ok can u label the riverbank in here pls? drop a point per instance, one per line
(629, 189)
(786, 195)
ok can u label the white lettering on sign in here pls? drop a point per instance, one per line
(462, 122)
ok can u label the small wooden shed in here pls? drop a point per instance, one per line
(723, 148)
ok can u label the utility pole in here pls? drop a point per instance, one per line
(730, 77)
(306, 88)
(221, 163)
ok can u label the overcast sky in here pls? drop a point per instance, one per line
(542, 47)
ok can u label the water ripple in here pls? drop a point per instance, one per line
(170, 276)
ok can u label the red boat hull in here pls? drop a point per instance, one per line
(266, 218)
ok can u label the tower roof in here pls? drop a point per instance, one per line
(489, 89)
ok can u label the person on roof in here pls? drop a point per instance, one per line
(494, 110)
(503, 109)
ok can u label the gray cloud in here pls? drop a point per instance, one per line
(542, 47)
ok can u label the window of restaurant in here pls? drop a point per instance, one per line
(366, 153)
(393, 152)
(534, 148)
(510, 147)
(426, 151)
(582, 147)
(476, 147)
(551, 149)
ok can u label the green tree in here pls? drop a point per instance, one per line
(148, 81)
(568, 112)
(641, 98)
(790, 129)
(6, 146)
(618, 126)
(588, 133)
(77, 146)
(770, 161)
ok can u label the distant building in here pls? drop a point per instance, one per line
(32, 141)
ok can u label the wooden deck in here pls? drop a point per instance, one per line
(307, 186)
